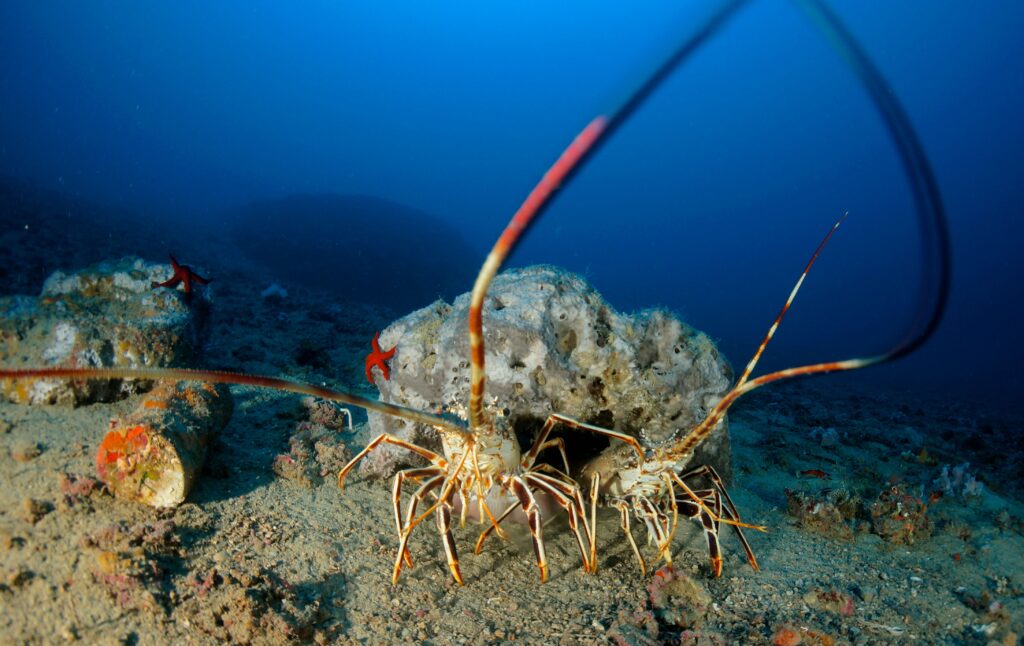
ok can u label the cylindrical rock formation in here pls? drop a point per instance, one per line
(154, 454)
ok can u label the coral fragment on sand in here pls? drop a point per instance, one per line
(900, 517)
(677, 599)
(830, 512)
(315, 452)
(154, 455)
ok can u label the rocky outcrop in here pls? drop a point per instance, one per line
(555, 346)
(108, 315)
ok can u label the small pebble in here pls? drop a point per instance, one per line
(26, 451)
(18, 577)
(32, 510)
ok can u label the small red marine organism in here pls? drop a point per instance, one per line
(377, 358)
(184, 275)
(120, 444)
(815, 473)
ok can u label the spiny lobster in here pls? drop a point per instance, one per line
(484, 456)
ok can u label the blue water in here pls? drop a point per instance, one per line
(708, 200)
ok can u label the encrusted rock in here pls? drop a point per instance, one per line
(107, 315)
(154, 455)
(899, 516)
(314, 453)
(677, 599)
(553, 345)
(831, 512)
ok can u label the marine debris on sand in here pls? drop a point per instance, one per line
(154, 455)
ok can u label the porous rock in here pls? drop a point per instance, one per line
(107, 315)
(553, 345)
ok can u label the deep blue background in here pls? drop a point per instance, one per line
(708, 201)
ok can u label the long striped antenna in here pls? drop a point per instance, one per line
(785, 308)
(238, 378)
(535, 201)
(931, 216)
(569, 162)
(700, 432)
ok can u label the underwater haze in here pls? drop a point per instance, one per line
(375, 151)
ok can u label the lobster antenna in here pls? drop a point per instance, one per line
(931, 213)
(562, 171)
(785, 308)
(931, 216)
(700, 432)
(239, 378)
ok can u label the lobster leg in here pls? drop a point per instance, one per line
(444, 526)
(623, 508)
(743, 540)
(477, 480)
(406, 530)
(451, 481)
(558, 474)
(595, 488)
(730, 519)
(716, 480)
(529, 505)
(568, 497)
(726, 515)
(710, 525)
(675, 515)
(558, 443)
(731, 514)
(706, 511)
(396, 495)
(540, 442)
(487, 532)
(387, 438)
(658, 529)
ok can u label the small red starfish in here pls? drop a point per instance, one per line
(182, 274)
(377, 358)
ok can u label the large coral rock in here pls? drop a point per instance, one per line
(553, 345)
(107, 315)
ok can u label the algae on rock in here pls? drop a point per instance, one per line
(107, 315)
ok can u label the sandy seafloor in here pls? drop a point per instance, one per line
(253, 557)
(294, 561)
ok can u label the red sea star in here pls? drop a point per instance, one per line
(182, 274)
(377, 358)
